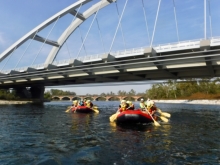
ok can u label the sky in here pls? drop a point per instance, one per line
(19, 17)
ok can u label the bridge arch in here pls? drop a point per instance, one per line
(76, 98)
(113, 98)
(56, 98)
(65, 35)
(129, 98)
(65, 98)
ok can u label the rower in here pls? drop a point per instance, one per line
(131, 105)
(75, 103)
(123, 106)
(142, 104)
(89, 104)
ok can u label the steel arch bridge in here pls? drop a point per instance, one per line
(183, 59)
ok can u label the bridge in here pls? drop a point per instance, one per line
(97, 97)
(178, 60)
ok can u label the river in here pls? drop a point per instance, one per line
(46, 135)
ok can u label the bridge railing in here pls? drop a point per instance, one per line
(159, 48)
(128, 51)
(178, 45)
(63, 62)
(90, 57)
(215, 41)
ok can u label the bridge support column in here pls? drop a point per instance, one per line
(149, 52)
(22, 93)
(37, 92)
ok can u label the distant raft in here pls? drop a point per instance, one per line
(133, 116)
(82, 109)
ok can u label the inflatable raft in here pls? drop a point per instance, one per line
(82, 109)
(134, 116)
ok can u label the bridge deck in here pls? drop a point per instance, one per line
(190, 59)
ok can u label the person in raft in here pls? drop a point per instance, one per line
(89, 104)
(75, 103)
(151, 107)
(131, 105)
(142, 104)
(123, 106)
(83, 102)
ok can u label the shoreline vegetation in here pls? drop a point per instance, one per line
(187, 91)
(198, 101)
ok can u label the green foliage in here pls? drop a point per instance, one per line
(181, 90)
(57, 92)
(47, 95)
(7, 95)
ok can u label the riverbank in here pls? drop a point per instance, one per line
(5, 102)
(211, 102)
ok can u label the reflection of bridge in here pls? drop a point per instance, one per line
(97, 97)
(176, 60)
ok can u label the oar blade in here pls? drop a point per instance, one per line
(95, 109)
(163, 113)
(166, 114)
(156, 123)
(68, 109)
(164, 119)
(113, 117)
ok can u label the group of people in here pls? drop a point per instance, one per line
(83, 102)
(148, 105)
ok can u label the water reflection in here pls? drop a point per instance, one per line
(45, 134)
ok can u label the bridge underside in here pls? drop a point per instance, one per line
(202, 62)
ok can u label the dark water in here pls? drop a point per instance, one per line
(46, 135)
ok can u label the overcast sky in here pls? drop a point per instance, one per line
(18, 17)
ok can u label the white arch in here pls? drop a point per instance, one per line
(69, 30)
(30, 35)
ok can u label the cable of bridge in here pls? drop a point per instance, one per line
(116, 4)
(205, 19)
(145, 18)
(45, 40)
(80, 32)
(174, 9)
(9, 58)
(100, 34)
(74, 18)
(89, 28)
(26, 49)
(118, 26)
(210, 19)
(155, 23)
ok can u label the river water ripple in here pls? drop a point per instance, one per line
(46, 135)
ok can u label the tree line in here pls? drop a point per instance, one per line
(187, 89)
(205, 88)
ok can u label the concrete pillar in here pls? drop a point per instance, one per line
(205, 44)
(37, 92)
(150, 52)
(22, 92)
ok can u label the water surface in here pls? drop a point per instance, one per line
(46, 135)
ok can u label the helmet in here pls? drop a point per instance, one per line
(128, 102)
(150, 103)
(142, 100)
(123, 101)
(88, 101)
(75, 101)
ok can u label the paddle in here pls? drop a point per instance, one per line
(164, 113)
(95, 109)
(113, 117)
(68, 109)
(155, 122)
(163, 119)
